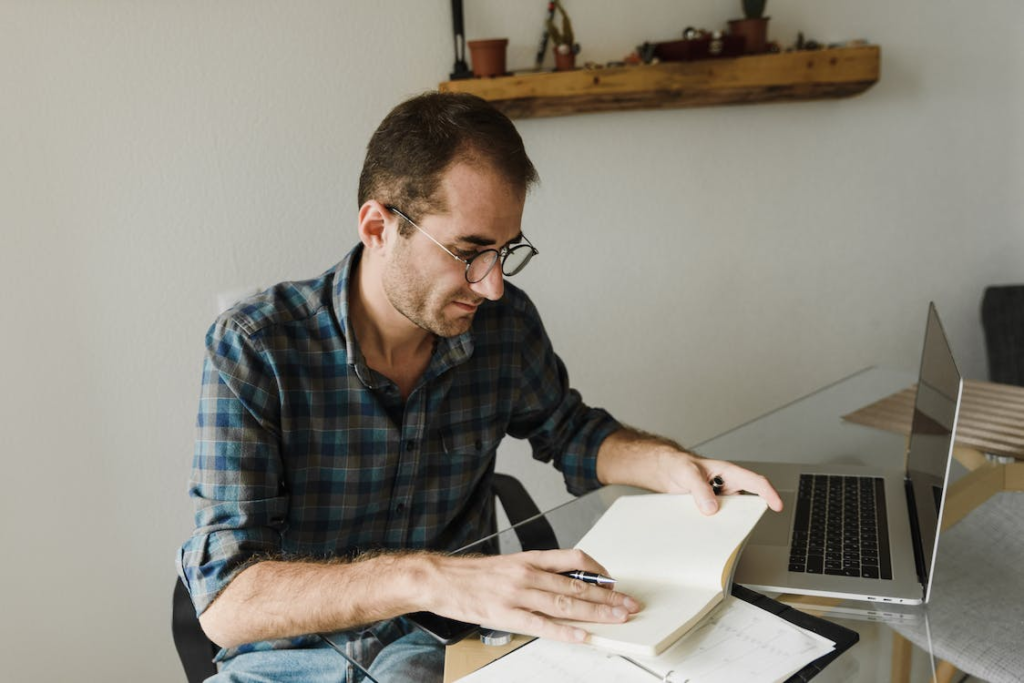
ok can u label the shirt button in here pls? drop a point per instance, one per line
(400, 509)
(410, 445)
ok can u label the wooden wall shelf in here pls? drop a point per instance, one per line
(783, 77)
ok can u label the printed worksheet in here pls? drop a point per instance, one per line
(737, 642)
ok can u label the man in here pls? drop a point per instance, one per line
(348, 427)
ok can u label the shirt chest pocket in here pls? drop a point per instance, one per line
(458, 458)
(473, 438)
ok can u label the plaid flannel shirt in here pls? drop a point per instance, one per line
(298, 455)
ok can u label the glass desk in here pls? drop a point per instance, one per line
(808, 430)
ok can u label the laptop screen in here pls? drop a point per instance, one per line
(936, 407)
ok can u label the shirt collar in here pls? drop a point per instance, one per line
(448, 352)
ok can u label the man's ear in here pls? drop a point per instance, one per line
(373, 217)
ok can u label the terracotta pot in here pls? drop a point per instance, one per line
(565, 60)
(488, 57)
(753, 31)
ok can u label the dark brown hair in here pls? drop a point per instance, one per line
(419, 139)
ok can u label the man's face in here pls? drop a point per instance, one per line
(428, 286)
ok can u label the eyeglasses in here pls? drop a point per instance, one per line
(513, 258)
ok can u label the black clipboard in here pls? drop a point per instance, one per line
(843, 637)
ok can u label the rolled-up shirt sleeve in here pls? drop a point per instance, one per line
(237, 483)
(561, 428)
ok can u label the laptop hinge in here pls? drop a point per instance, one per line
(915, 533)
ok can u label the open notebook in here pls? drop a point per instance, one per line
(670, 557)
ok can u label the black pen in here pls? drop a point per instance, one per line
(717, 484)
(589, 577)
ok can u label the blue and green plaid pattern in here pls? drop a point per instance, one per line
(297, 456)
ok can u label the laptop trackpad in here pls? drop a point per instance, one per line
(773, 529)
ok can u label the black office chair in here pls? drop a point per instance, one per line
(196, 651)
(1002, 318)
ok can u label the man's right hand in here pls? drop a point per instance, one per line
(524, 593)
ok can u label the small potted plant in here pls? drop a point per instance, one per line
(753, 27)
(563, 41)
(488, 57)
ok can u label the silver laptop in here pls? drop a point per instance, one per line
(854, 532)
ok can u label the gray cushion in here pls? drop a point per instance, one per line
(976, 613)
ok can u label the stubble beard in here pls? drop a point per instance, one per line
(411, 295)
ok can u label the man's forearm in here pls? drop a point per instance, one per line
(630, 456)
(523, 592)
(277, 599)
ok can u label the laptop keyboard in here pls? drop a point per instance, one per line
(840, 527)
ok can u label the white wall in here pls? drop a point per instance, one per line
(698, 266)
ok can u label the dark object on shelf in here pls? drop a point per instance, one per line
(646, 52)
(542, 48)
(460, 69)
(806, 44)
(703, 47)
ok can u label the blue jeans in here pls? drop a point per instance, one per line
(391, 651)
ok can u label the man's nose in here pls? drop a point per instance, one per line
(493, 286)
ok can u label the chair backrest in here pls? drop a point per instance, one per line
(534, 531)
(1002, 318)
(196, 651)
